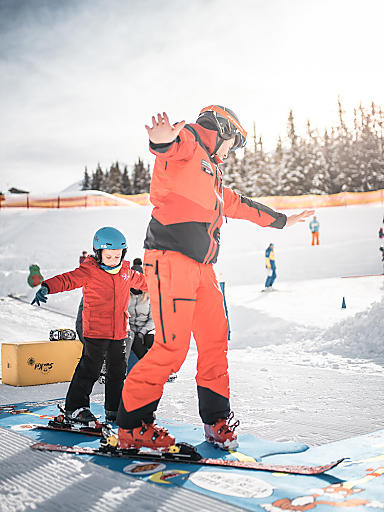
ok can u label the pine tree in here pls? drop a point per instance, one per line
(293, 180)
(105, 183)
(140, 178)
(86, 180)
(147, 178)
(97, 178)
(344, 159)
(114, 179)
(126, 186)
(249, 168)
(231, 171)
(329, 164)
(368, 151)
(277, 164)
(316, 171)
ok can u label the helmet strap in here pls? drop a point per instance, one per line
(219, 141)
(97, 255)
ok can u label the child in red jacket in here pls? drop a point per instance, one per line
(106, 279)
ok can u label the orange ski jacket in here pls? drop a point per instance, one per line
(190, 199)
(105, 296)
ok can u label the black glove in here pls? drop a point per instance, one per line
(139, 337)
(41, 296)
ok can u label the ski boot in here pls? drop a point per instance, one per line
(82, 415)
(222, 433)
(110, 416)
(149, 435)
(81, 420)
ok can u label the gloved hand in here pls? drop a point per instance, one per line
(41, 296)
(139, 336)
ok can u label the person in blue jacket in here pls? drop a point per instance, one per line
(270, 265)
(314, 226)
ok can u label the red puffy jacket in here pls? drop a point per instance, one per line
(106, 296)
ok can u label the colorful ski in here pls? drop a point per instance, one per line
(67, 427)
(186, 454)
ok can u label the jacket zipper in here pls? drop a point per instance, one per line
(187, 300)
(114, 305)
(213, 225)
(161, 308)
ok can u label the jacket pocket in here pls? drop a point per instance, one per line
(176, 299)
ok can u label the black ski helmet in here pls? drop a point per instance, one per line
(225, 122)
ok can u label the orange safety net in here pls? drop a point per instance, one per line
(31, 201)
(275, 202)
(321, 201)
(305, 201)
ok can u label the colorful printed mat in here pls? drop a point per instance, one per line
(356, 484)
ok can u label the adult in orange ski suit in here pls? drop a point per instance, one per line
(182, 244)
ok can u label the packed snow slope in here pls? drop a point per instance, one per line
(294, 352)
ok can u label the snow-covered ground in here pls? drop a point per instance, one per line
(301, 367)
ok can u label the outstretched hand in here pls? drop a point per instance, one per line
(41, 296)
(299, 217)
(161, 131)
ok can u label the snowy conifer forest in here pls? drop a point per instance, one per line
(341, 159)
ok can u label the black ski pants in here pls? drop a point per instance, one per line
(88, 370)
(141, 345)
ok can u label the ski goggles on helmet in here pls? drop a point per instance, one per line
(228, 125)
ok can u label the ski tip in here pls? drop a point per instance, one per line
(331, 465)
(339, 461)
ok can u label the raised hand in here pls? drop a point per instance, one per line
(161, 131)
(299, 217)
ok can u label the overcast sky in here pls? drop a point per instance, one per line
(80, 78)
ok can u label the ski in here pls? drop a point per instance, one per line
(71, 427)
(186, 454)
(62, 424)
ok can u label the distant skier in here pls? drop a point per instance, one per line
(314, 226)
(270, 265)
(381, 233)
(106, 280)
(381, 249)
(182, 244)
(83, 257)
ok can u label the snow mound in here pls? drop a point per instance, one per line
(359, 336)
(75, 187)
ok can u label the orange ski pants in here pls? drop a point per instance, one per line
(315, 237)
(185, 298)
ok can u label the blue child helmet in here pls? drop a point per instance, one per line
(109, 238)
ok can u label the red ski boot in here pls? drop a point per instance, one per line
(222, 434)
(149, 435)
